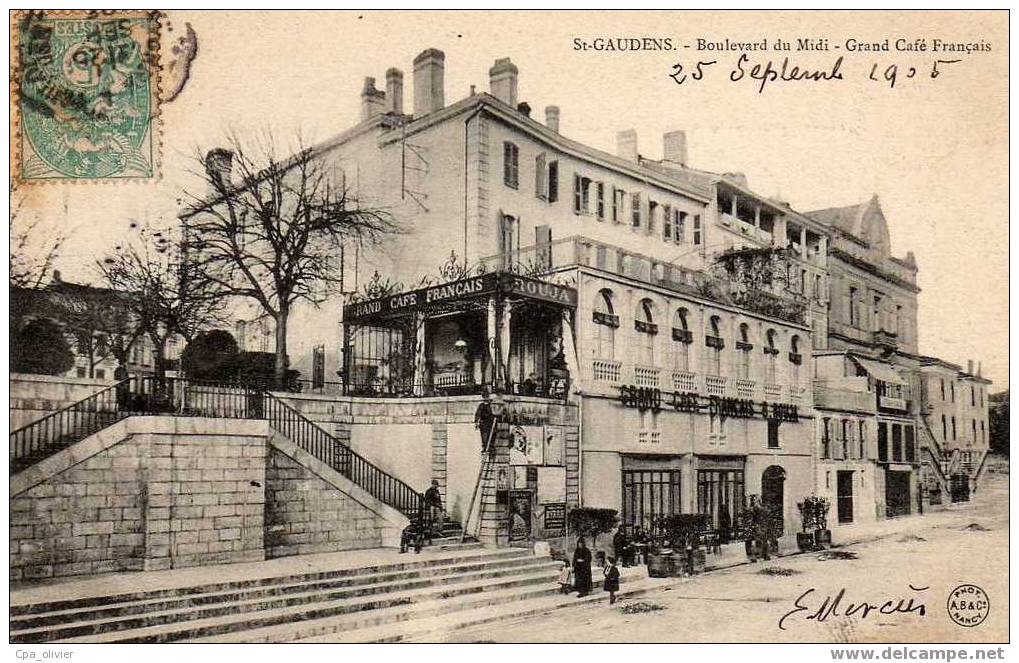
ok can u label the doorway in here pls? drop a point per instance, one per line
(897, 495)
(773, 494)
(845, 496)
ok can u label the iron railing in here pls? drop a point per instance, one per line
(310, 437)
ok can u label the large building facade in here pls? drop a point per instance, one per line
(534, 266)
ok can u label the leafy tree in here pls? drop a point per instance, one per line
(589, 522)
(40, 347)
(272, 229)
(212, 355)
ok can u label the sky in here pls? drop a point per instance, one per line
(935, 150)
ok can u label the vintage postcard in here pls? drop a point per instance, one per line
(510, 327)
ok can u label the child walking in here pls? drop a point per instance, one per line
(566, 579)
(611, 584)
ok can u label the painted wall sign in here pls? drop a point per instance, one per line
(650, 398)
(463, 289)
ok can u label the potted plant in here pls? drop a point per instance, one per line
(751, 521)
(682, 534)
(822, 535)
(805, 539)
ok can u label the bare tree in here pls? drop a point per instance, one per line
(97, 320)
(33, 250)
(161, 290)
(272, 229)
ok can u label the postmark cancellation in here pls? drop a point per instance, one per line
(85, 91)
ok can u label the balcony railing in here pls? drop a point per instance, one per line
(796, 393)
(773, 392)
(605, 370)
(892, 403)
(543, 260)
(744, 388)
(684, 381)
(715, 385)
(646, 376)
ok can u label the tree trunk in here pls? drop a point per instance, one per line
(158, 355)
(282, 364)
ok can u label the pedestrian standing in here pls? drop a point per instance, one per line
(433, 503)
(582, 568)
(611, 584)
(566, 578)
(484, 421)
(620, 545)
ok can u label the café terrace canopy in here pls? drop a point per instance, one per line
(879, 370)
(498, 330)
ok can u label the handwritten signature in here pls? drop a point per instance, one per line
(832, 606)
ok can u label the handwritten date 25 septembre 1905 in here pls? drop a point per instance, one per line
(769, 71)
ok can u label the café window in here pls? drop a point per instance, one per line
(720, 496)
(910, 443)
(897, 443)
(605, 323)
(646, 331)
(715, 343)
(681, 339)
(744, 347)
(795, 359)
(770, 357)
(511, 165)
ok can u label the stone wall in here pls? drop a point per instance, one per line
(146, 493)
(32, 397)
(306, 514)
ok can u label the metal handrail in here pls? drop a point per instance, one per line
(310, 437)
(59, 430)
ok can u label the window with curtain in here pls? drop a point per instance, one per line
(744, 347)
(646, 330)
(771, 352)
(715, 343)
(681, 338)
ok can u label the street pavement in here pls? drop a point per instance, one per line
(911, 562)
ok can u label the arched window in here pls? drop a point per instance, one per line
(715, 342)
(605, 323)
(681, 337)
(646, 331)
(744, 347)
(795, 359)
(771, 352)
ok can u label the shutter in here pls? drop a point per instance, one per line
(576, 194)
(540, 177)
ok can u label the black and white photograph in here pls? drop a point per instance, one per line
(509, 326)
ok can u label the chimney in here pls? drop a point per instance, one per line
(502, 81)
(524, 109)
(552, 118)
(394, 91)
(969, 366)
(626, 145)
(372, 101)
(429, 71)
(218, 165)
(674, 147)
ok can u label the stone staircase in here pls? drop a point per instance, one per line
(340, 603)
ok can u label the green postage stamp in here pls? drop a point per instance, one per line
(85, 91)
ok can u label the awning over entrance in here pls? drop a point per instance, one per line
(499, 330)
(878, 370)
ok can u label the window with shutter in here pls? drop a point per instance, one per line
(553, 181)
(667, 223)
(540, 177)
(635, 206)
(511, 165)
(696, 229)
(577, 201)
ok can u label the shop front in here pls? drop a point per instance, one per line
(721, 492)
(497, 331)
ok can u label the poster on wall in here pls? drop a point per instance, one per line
(551, 484)
(554, 445)
(519, 515)
(555, 520)
(526, 445)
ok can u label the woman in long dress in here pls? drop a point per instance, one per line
(582, 568)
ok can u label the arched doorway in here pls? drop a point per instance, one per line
(773, 493)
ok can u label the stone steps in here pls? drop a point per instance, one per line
(361, 596)
(359, 585)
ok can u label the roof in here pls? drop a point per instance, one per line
(845, 219)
